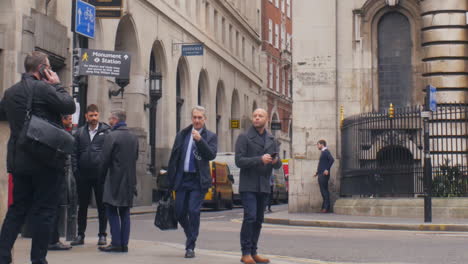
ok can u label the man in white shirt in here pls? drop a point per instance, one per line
(86, 163)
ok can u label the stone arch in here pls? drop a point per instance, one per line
(220, 110)
(370, 15)
(127, 40)
(235, 115)
(182, 93)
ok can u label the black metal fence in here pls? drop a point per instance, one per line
(382, 154)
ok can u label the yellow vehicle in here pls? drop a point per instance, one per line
(220, 194)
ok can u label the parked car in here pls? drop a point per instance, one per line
(280, 192)
(220, 194)
(229, 159)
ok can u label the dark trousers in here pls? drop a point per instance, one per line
(119, 222)
(55, 234)
(254, 206)
(188, 206)
(323, 183)
(36, 195)
(84, 186)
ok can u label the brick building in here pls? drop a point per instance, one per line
(276, 36)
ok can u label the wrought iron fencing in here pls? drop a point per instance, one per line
(382, 152)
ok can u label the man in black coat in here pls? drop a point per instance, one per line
(87, 166)
(323, 172)
(256, 156)
(119, 157)
(36, 186)
(189, 174)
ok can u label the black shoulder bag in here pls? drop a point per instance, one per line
(46, 142)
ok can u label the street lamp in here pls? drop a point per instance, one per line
(155, 93)
(155, 89)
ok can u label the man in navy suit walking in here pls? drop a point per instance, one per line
(189, 174)
(323, 172)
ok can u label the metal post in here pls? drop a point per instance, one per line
(427, 162)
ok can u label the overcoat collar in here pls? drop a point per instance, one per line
(257, 139)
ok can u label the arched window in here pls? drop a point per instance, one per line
(394, 54)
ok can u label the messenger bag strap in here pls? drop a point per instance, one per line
(30, 100)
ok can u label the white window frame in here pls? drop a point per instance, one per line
(288, 7)
(277, 3)
(283, 6)
(270, 31)
(277, 78)
(276, 35)
(270, 75)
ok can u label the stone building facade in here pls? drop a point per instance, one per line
(227, 79)
(277, 35)
(364, 55)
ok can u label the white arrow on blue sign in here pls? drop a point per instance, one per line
(85, 19)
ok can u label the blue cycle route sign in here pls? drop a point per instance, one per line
(85, 19)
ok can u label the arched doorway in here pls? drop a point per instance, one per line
(394, 55)
(397, 166)
(220, 111)
(127, 40)
(182, 87)
(274, 119)
(235, 115)
(203, 89)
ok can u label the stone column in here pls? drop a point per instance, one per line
(315, 99)
(444, 40)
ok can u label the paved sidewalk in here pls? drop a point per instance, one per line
(144, 252)
(364, 222)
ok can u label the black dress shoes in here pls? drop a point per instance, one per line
(189, 253)
(102, 241)
(124, 249)
(79, 240)
(111, 248)
(59, 246)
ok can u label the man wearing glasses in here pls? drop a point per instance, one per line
(189, 174)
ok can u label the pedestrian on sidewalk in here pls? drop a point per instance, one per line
(36, 184)
(189, 174)
(54, 242)
(323, 172)
(119, 157)
(87, 165)
(256, 156)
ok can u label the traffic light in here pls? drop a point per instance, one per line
(76, 62)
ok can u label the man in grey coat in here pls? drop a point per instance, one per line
(256, 156)
(119, 157)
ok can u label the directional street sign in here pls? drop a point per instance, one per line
(85, 19)
(104, 63)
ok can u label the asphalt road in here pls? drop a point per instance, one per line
(220, 231)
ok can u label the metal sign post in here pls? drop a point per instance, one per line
(429, 106)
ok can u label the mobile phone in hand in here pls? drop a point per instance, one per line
(273, 156)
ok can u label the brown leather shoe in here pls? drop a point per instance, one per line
(247, 259)
(259, 259)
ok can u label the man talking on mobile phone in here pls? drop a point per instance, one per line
(36, 184)
(256, 156)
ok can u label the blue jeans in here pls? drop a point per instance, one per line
(254, 206)
(119, 221)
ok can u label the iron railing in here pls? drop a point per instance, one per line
(382, 154)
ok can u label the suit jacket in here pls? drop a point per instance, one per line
(207, 148)
(250, 147)
(325, 162)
